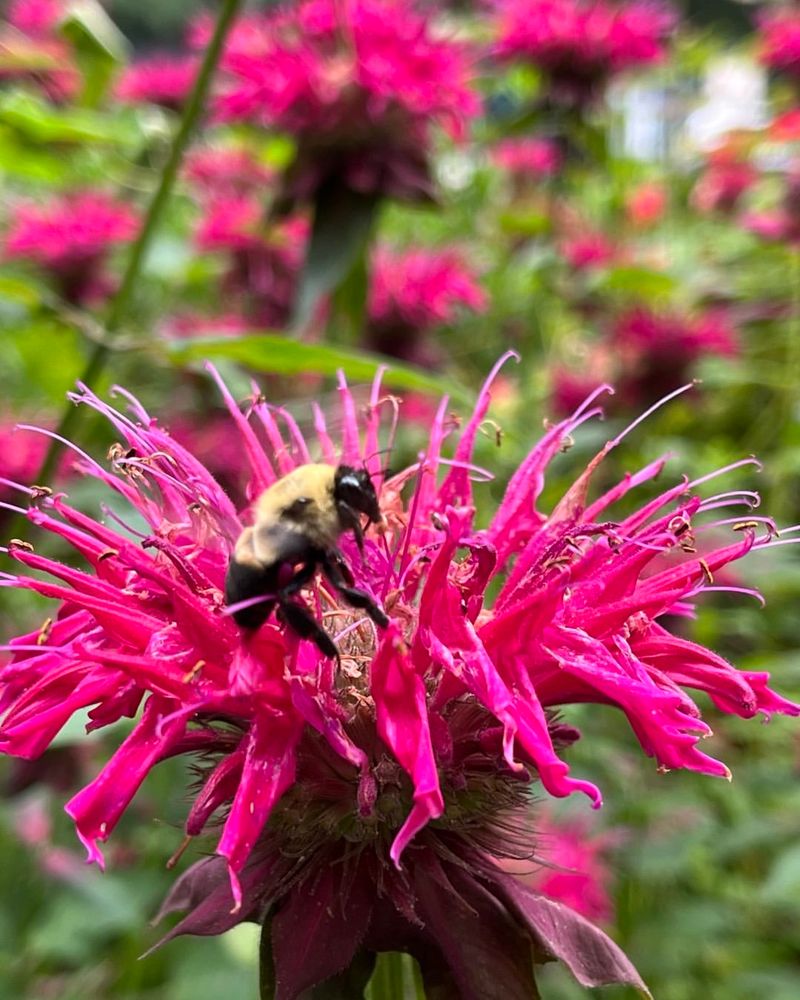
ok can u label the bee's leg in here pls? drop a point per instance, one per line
(332, 568)
(300, 578)
(300, 620)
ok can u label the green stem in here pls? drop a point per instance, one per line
(120, 304)
(388, 981)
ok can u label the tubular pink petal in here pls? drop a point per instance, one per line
(267, 771)
(401, 716)
(263, 473)
(99, 806)
(456, 489)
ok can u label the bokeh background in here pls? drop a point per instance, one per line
(613, 191)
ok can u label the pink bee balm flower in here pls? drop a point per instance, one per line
(581, 44)
(358, 84)
(32, 51)
(534, 158)
(779, 43)
(36, 18)
(646, 204)
(368, 799)
(226, 170)
(265, 258)
(413, 291)
(574, 866)
(70, 237)
(588, 251)
(656, 351)
(165, 79)
(726, 179)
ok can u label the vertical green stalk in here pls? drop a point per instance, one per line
(120, 304)
(388, 980)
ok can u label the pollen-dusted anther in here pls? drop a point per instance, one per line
(708, 576)
(21, 544)
(495, 428)
(745, 526)
(107, 554)
(44, 632)
(190, 675)
(39, 493)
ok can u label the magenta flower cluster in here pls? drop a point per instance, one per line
(580, 44)
(308, 68)
(143, 628)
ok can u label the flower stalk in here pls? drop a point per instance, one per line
(120, 303)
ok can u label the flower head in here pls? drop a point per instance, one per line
(36, 18)
(225, 170)
(33, 52)
(414, 290)
(372, 797)
(727, 177)
(779, 46)
(265, 259)
(574, 868)
(357, 84)
(166, 80)
(657, 351)
(581, 44)
(528, 157)
(70, 237)
(589, 250)
(646, 204)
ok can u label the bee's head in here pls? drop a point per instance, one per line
(355, 488)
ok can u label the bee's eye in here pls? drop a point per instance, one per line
(296, 506)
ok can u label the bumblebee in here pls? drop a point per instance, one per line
(296, 530)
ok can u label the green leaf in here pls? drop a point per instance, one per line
(42, 123)
(270, 352)
(638, 282)
(342, 222)
(99, 47)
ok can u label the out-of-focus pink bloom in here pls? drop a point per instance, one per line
(70, 237)
(533, 158)
(421, 287)
(166, 80)
(779, 39)
(780, 225)
(225, 171)
(358, 84)
(581, 44)
(589, 250)
(642, 330)
(785, 127)
(726, 178)
(32, 51)
(572, 867)
(646, 204)
(327, 778)
(21, 455)
(266, 258)
(411, 292)
(36, 18)
(656, 351)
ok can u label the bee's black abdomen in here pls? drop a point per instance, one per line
(244, 582)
